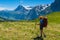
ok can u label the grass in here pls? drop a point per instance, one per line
(54, 17)
(28, 30)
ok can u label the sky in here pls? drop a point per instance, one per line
(12, 4)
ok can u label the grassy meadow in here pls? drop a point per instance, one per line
(26, 30)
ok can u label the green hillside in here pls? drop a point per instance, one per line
(27, 30)
(54, 17)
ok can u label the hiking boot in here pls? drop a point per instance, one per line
(40, 36)
(45, 36)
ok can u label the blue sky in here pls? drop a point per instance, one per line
(12, 4)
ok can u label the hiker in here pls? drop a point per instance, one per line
(43, 23)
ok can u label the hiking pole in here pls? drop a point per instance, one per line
(36, 26)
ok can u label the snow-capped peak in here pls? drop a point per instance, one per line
(28, 7)
(45, 6)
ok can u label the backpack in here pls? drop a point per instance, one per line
(45, 22)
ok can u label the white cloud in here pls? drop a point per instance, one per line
(3, 8)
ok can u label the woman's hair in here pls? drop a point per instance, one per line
(40, 17)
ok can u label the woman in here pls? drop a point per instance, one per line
(43, 23)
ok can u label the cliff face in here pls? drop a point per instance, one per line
(56, 5)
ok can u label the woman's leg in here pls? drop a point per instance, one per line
(44, 34)
(41, 32)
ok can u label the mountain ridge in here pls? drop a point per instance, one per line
(21, 13)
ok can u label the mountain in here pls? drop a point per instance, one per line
(29, 13)
(55, 6)
(12, 15)
(37, 11)
(21, 9)
(52, 8)
(18, 14)
(46, 11)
